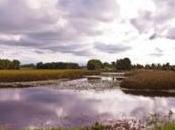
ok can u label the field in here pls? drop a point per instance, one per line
(157, 80)
(37, 75)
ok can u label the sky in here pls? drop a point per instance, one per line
(78, 30)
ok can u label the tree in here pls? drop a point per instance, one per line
(16, 64)
(57, 65)
(39, 65)
(28, 66)
(137, 66)
(107, 66)
(8, 64)
(94, 64)
(123, 64)
(166, 66)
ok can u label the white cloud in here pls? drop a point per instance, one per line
(52, 30)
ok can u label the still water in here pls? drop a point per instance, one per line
(50, 106)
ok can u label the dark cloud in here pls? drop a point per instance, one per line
(103, 10)
(75, 49)
(39, 51)
(18, 17)
(40, 28)
(117, 48)
(153, 36)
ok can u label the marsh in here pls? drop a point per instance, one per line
(60, 105)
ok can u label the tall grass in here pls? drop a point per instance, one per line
(163, 80)
(166, 126)
(36, 75)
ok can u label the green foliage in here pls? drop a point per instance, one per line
(166, 126)
(57, 65)
(7, 64)
(94, 64)
(153, 66)
(98, 126)
(137, 66)
(123, 64)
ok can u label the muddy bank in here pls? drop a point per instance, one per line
(30, 83)
(76, 84)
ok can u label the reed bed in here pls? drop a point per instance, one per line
(157, 80)
(37, 75)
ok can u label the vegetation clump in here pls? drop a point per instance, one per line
(157, 80)
(8, 64)
(57, 65)
(119, 65)
(123, 64)
(94, 64)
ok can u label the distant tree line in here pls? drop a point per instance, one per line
(153, 66)
(9, 64)
(93, 64)
(125, 64)
(28, 66)
(57, 65)
(120, 64)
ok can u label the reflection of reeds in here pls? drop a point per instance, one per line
(154, 122)
(148, 93)
(36, 75)
(150, 80)
(125, 125)
(120, 125)
(161, 122)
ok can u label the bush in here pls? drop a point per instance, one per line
(94, 64)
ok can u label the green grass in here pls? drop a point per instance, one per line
(37, 75)
(158, 80)
(166, 126)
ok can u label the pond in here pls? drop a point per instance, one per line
(63, 106)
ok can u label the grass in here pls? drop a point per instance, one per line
(37, 75)
(166, 126)
(157, 80)
(97, 126)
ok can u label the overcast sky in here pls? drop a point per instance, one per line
(78, 30)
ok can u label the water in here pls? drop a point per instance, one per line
(51, 106)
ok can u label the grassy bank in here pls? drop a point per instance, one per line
(157, 80)
(37, 75)
(164, 126)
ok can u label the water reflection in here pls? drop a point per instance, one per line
(85, 83)
(152, 93)
(41, 107)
